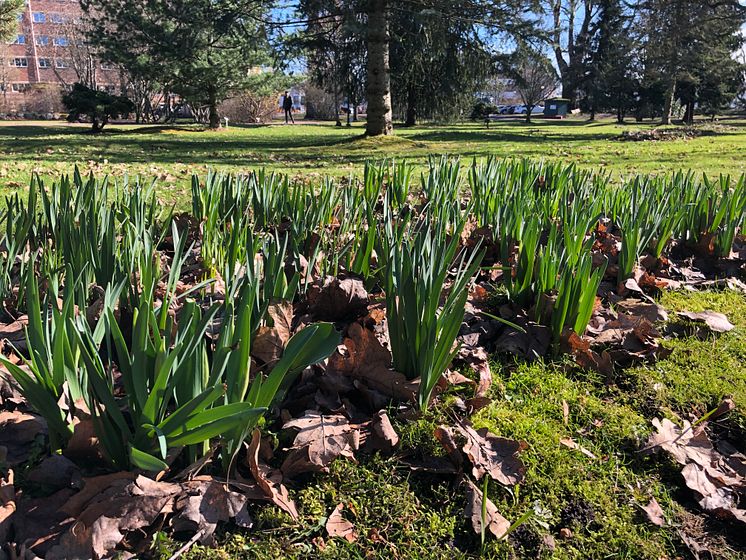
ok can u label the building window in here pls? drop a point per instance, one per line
(60, 41)
(19, 62)
(45, 63)
(20, 40)
(42, 41)
(19, 88)
(19, 17)
(40, 17)
(56, 18)
(61, 63)
(106, 66)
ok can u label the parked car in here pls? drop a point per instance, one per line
(522, 110)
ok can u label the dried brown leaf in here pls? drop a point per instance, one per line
(15, 332)
(685, 444)
(714, 494)
(715, 479)
(204, 503)
(580, 349)
(338, 526)
(716, 322)
(335, 299)
(446, 436)
(493, 455)
(382, 433)
(55, 471)
(456, 378)
(320, 440)
(650, 311)
(572, 444)
(7, 505)
(493, 522)
(281, 314)
(654, 513)
(364, 358)
(18, 430)
(268, 345)
(269, 480)
(122, 507)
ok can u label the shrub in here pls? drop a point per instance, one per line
(98, 106)
(482, 111)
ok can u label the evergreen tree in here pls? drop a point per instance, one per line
(435, 52)
(438, 61)
(9, 10)
(334, 44)
(378, 90)
(612, 78)
(689, 49)
(200, 49)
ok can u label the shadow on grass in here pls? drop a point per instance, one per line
(150, 144)
(527, 135)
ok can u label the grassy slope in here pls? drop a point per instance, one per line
(403, 515)
(173, 154)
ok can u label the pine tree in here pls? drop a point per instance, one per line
(690, 45)
(9, 9)
(611, 80)
(200, 49)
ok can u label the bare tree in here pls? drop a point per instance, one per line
(571, 32)
(535, 79)
(77, 60)
(5, 82)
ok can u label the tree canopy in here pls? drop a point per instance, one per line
(200, 49)
(9, 10)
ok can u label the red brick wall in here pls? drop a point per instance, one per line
(50, 30)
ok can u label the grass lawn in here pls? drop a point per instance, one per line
(173, 154)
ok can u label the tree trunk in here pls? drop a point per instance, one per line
(568, 91)
(336, 108)
(379, 78)
(214, 116)
(411, 117)
(529, 110)
(668, 108)
(689, 117)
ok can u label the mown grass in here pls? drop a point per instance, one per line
(173, 154)
(399, 514)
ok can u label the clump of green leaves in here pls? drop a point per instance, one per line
(419, 259)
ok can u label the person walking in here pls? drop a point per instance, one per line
(287, 107)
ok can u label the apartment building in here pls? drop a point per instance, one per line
(48, 53)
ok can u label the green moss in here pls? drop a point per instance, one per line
(596, 498)
(700, 373)
(393, 517)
